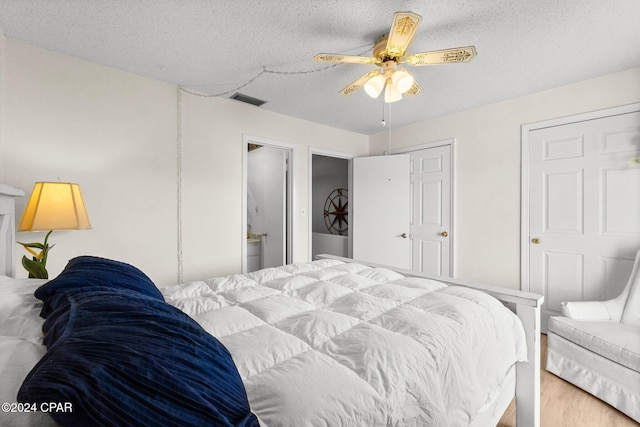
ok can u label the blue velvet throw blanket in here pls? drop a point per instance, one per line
(121, 356)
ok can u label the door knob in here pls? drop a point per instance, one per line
(535, 240)
(404, 235)
(444, 234)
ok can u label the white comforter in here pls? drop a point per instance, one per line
(332, 344)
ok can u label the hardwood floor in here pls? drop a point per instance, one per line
(564, 405)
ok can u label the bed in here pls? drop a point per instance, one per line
(331, 342)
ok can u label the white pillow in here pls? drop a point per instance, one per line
(20, 309)
(585, 310)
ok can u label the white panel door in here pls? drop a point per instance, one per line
(431, 210)
(380, 210)
(584, 209)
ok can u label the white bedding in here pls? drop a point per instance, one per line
(20, 345)
(328, 343)
(323, 344)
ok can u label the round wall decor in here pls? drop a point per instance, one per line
(336, 211)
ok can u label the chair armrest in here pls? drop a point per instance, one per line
(586, 310)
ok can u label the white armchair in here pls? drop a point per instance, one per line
(596, 346)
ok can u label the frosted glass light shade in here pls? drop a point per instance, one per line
(402, 80)
(55, 206)
(374, 86)
(391, 94)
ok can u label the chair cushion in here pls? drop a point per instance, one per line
(619, 342)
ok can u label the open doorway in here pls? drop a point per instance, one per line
(267, 198)
(329, 203)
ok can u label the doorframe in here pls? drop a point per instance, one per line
(451, 142)
(337, 155)
(526, 129)
(291, 194)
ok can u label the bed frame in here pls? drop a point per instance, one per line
(527, 376)
(526, 306)
(8, 195)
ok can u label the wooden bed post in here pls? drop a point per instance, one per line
(528, 373)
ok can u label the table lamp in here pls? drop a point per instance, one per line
(52, 206)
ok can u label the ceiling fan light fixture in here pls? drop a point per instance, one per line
(402, 80)
(391, 94)
(390, 51)
(374, 85)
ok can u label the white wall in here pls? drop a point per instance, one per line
(115, 133)
(3, 54)
(111, 132)
(212, 132)
(487, 166)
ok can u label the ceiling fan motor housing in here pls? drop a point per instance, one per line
(380, 50)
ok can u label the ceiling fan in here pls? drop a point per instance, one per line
(388, 52)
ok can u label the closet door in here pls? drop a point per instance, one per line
(584, 209)
(431, 232)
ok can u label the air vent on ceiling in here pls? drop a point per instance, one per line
(247, 99)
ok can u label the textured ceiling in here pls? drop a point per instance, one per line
(264, 48)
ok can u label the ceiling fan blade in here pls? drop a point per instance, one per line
(402, 31)
(344, 59)
(358, 83)
(413, 90)
(455, 54)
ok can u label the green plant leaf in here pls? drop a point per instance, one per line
(36, 245)
(36, 269)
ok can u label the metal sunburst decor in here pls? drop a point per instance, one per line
(336, 212)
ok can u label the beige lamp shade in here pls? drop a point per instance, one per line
(55, 206)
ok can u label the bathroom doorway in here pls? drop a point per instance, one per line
(268, 206)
